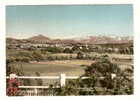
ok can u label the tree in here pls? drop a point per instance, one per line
(24, 54)
(102, 68)
(54, 49)
(80, 55)
(25, 59)
(37, 56)
(67, 50)
(39, 81)
(75, 48)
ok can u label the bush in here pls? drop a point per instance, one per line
(36, 55)
(39, 81)
(54, 49)
(10, 59)
(24, 54)
(67, 50)
(51, 58)
(80, 55)
(102, 68)
(25, 59)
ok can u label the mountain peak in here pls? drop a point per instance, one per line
(40, 38)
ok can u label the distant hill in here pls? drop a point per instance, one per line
(14, 41)
(40, 38)
(44, 39)
(108, 39)
(88, 40)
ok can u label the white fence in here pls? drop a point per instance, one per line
(62, 79)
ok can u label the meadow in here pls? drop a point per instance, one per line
(70, 67)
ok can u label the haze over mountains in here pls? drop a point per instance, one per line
(90, 39)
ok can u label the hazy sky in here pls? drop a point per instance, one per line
(69, 21)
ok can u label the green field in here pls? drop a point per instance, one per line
(69, 67)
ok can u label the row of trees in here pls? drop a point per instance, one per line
(82, 53)
(75, 49)
(26, 56)
(38, 56)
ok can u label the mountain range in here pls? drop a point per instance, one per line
(88, 40)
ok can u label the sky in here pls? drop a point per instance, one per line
(69, 21)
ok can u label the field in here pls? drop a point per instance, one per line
(70, 67)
